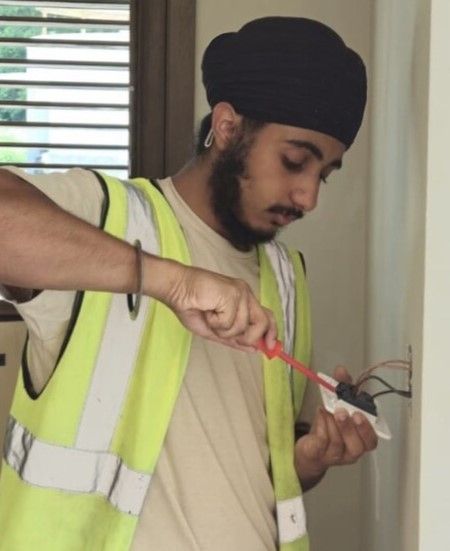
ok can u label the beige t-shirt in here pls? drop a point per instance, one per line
(211, 489)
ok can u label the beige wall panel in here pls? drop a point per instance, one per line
(12, 337)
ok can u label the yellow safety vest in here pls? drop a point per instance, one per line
(79, 458)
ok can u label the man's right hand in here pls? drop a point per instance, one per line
(218, 307)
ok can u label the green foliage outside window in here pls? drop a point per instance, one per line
(17, 52)
(9, 155)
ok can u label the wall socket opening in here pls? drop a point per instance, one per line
(409, 358)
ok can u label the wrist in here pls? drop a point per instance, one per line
(309, 471)
(308, 481)
(160, 277)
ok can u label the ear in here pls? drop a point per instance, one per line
(225, 123)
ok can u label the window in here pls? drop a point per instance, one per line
(106, 84)
(64, 85)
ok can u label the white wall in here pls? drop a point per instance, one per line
(434, 448)
(396, 263)
(333, 239)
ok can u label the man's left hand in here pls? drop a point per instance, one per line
(338, 439)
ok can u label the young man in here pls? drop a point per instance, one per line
(126, 431)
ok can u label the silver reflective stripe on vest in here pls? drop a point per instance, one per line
(70, 470)
(285, 276)
(120, 343)
(291, 519)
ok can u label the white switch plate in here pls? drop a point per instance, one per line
(331, 402)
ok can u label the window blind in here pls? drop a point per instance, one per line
(65, 85)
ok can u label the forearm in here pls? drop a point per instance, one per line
(44, 247)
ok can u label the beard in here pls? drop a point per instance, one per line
(228, 169)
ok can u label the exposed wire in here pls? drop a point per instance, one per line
(390, 364)
(403, 393)
(392, 390)
(375, 378)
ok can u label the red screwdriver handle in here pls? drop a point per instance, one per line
(278, 352)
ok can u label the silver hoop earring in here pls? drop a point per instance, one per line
(209, 139)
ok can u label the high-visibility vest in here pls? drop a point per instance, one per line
(79, 458)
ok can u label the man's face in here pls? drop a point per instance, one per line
(264, 181)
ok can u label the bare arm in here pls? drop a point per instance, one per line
(44, 247)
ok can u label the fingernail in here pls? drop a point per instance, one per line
(341, 415)
(358, 418)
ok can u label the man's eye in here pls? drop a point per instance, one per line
(293, 166)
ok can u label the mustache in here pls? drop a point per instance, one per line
(286, 211)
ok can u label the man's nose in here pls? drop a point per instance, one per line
(305, 196)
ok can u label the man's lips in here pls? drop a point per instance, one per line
(283, 219)
(283, 216)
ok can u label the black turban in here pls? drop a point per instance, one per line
(288, 70)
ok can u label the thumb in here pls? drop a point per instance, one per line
(341, 374)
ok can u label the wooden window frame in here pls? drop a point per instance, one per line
(163, 69)
(162, 98)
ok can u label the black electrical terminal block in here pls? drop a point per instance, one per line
(362, 400)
